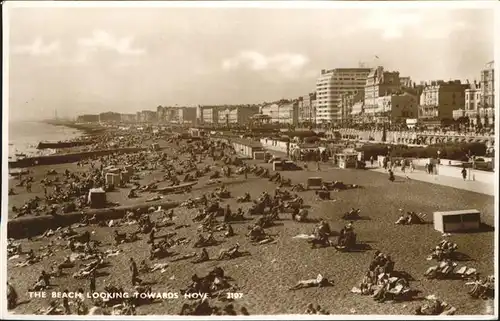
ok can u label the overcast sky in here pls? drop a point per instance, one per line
(88, 60)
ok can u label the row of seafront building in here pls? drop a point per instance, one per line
(346, 96)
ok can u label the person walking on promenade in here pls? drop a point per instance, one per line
(464, 173)
(245, 171)
(412, 167)
(371, 161)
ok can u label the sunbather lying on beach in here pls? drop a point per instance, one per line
(320, 281)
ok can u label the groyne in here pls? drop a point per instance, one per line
(69, 157)
(57, 145)
(32, 226)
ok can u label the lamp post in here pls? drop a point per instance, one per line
(438, 161)
(470, 157)
(389, 159)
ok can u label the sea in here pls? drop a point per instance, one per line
(24, 137)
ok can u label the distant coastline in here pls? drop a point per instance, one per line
(25, 135)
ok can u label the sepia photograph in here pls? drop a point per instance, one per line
(291, 159)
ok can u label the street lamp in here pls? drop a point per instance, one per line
(438, 161)
(389, 160)
(471, 160)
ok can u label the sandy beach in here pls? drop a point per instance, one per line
(265, 276)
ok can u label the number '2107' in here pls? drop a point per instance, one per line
(234, 295)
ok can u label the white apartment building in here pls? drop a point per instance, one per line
(329, 87)
(472, 98)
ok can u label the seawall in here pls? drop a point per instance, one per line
(56, 145)
(33, 226)
(69, 157)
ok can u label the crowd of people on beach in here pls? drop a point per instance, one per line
(68, 192)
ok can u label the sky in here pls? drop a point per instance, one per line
(90, 60)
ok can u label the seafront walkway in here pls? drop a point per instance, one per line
(417, 174)
(469, 185)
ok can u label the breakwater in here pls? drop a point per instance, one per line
(57, 145)
(33, 226)
(69, 157)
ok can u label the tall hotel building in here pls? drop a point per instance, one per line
(331, 85)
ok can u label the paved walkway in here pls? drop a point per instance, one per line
(419, 175)
(473, 186)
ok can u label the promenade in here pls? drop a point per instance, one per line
(468, 185)
(417, 174)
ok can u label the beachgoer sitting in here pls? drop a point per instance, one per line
(12, 297)
(132, 194)
(366, 284)
(391, 175)
(301, 215)
(42, 282)
(119, 237)
(229, 232)
(380, 294)
(203, 257)
(229, 253)
(143, 267)
(159, 250)
(483, 289)
(257, 233)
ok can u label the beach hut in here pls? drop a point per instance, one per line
(97, 198)
(314, 182)
(124, 176)
(113, 179)
(346, 160)
(455, 221)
